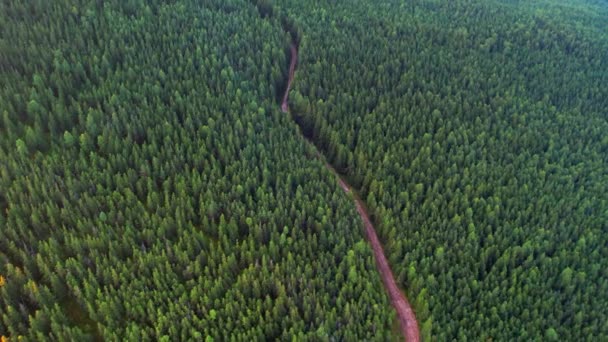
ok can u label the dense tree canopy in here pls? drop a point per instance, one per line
(151, 189)
(477, 132)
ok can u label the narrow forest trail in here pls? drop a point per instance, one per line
(292, 71)
(405, 313)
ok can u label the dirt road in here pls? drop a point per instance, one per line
(405, 314)
(292, 70)
(407, 319)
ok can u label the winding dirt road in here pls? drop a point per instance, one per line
(292, 71)
(405, 314)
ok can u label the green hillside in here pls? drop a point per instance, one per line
(152, 189)
(477, 132)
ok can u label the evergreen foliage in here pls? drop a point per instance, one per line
(476, 131)
(150, 188)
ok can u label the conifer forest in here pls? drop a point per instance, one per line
(303, 170)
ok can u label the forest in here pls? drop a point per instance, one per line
(476, 131)
(151, 188)
(149, 178)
